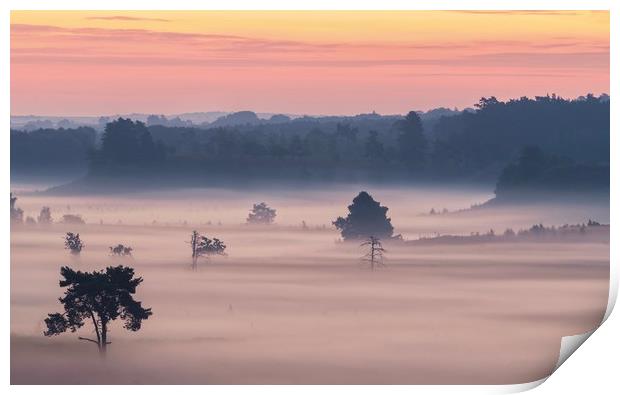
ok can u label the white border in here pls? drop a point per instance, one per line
(594, 369)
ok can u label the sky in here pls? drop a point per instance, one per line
(298, 62)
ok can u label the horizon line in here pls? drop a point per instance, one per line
(298, 115)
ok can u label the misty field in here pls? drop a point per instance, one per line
(291, 304)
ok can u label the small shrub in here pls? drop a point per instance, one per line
(73, 243)
(121, 250)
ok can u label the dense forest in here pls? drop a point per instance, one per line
(51, 152)
(477, 145)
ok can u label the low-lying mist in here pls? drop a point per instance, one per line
(293, 304)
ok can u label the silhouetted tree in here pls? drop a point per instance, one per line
(126, 142)
(17, 214)
(486, 102)
(202, 245)
(366, 218)
(121, 250)
(374, 256)
(45, 216)
(207, 246)
(73, 243)
(412, 142)
(99, 297)
(261, 214)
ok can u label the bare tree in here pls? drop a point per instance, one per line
(374, 256)
(194, 244)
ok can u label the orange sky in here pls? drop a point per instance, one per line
(328, 62)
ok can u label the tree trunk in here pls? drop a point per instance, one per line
(372, 253)
(194, 243)
(97, 332)
(104, 339)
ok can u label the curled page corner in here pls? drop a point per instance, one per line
(569, 344)
(516, 388)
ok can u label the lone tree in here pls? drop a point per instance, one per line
(73, 243)
(45, 216)
(17, 214)
(374, 256)
(121, 250)
(261, 214)
(202, 245)
(101, 297)
(366, 218)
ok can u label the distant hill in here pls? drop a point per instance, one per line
(194, 119)
(236, 118)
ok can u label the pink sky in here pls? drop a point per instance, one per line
(92, 63)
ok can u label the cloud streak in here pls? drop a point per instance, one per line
(22, 33)
(523, 60)
(126, 18)
(317, 63)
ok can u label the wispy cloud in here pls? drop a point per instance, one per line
(243, 44)
(520, 12)
(530, 61)
(126, 18)
(41, 44)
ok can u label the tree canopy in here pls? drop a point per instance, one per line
(73, 243)
(261, 214)
(125, 142)
(366, 218)
(99, 297)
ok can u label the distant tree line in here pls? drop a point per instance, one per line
(51, 151)
(476, 144)
(537, 232)
(467, 145)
